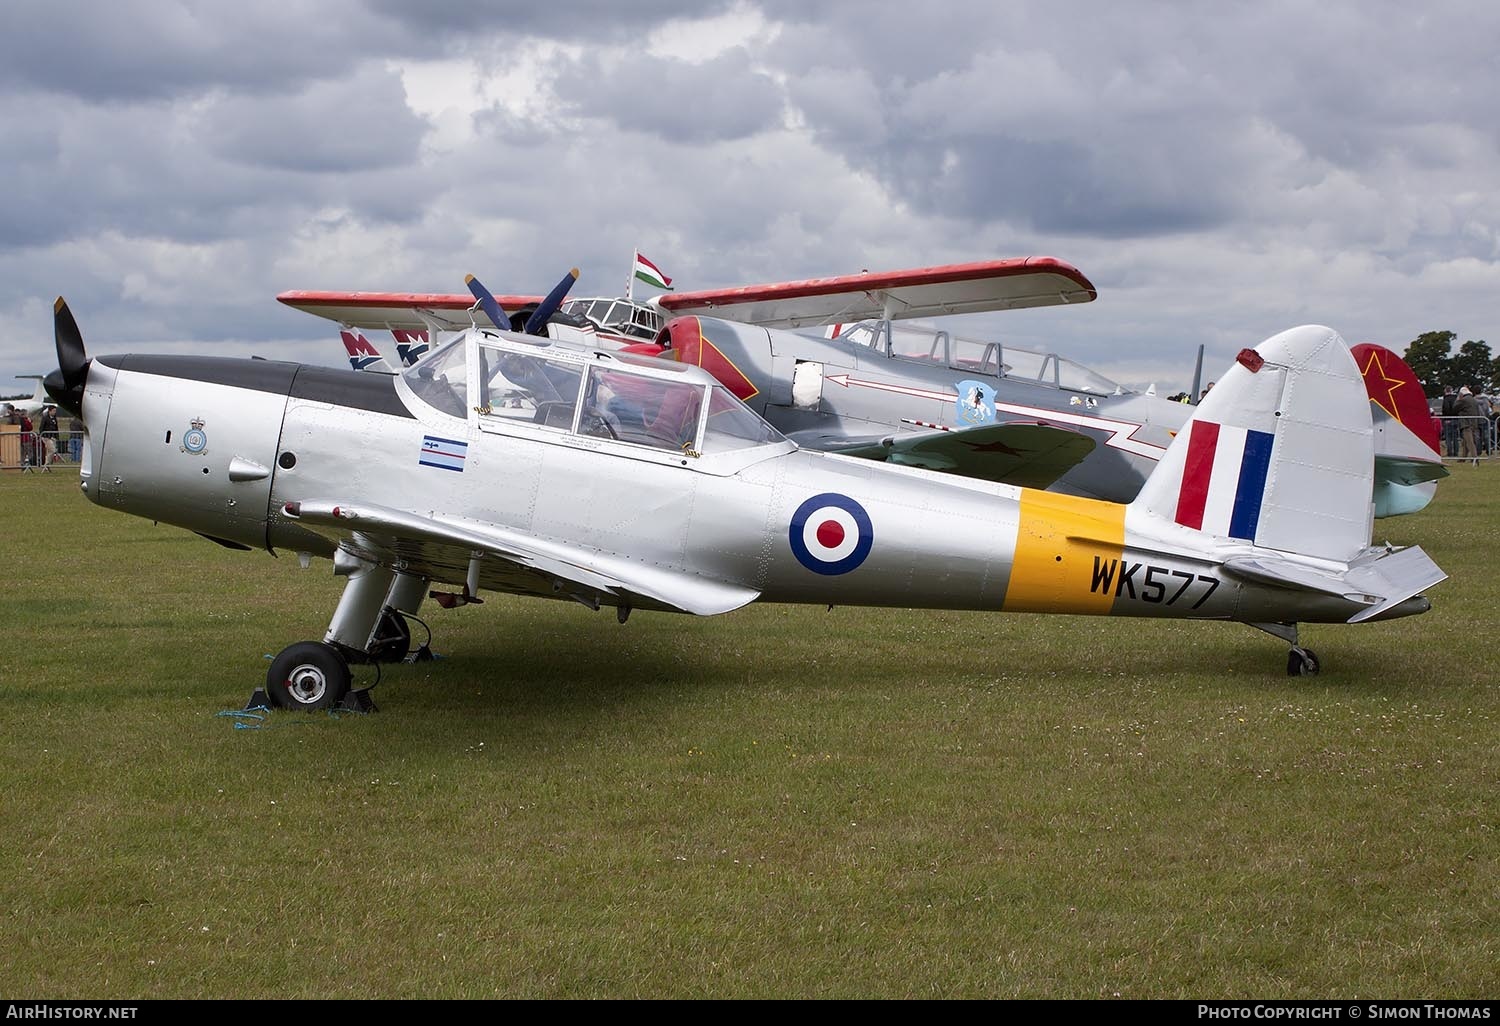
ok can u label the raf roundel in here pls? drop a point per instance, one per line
(831, 534)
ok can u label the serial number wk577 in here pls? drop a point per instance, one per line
(1122, 576)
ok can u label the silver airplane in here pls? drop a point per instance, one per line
(524, 465)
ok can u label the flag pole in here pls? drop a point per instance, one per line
(630, 277)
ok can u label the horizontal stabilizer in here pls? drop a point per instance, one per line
(1270, 570)
(1395, 577)
(1404, 470)
(1382, 580)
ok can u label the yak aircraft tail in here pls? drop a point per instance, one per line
(363, 355)
(1281, 456)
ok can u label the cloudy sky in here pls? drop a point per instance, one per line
(1219, 171)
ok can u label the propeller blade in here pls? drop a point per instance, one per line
(71, 358)
(536, 324)
(65, 385)
(487, 302)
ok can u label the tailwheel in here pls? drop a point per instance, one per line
(1301, 662)
(308, 675)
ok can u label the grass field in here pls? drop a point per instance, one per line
(777, 802)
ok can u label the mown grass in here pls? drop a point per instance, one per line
(778, 802)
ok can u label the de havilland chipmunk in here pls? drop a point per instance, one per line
(923, 396)
(518, 464)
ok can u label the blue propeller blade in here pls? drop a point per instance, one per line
(536, 324)
(487, 302)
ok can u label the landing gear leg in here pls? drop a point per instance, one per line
(401, 603)
(315, 675)
(1300, 662)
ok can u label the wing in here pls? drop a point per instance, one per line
(413, 311)
(919, 292)
(441, 549)
(1028, 455)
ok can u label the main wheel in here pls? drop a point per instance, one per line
(1301, 662)
(308, 675)
(392, 637)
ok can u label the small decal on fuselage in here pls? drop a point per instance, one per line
(443, 453)
(194, 440)
(976, 403)
(831, 534)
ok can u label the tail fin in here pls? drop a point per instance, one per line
(39, 393)
(1280, 453)
(363, 355)
(411, 346)
(1408, 460)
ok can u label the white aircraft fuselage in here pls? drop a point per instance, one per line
(501, 463)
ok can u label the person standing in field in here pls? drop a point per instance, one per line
(1467, 412)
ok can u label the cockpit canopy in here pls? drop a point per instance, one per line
(921, 344)
(618, 316)
(631, 399)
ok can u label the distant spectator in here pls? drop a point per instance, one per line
(47, 443)
(1486, 426)
(28, 440)
(1466, 412)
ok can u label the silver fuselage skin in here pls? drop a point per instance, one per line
(221, 447)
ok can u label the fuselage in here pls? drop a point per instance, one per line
(221, 447)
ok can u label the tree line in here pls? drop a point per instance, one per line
(1431, 358)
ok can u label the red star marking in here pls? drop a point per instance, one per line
(999, 447)
(1380, 385)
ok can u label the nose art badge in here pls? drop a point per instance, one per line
(194, 440)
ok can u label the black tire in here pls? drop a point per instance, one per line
(392, 638)
(308, 675)
(1301, 662)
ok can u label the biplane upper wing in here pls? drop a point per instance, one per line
(918, 292)
(412, 311)
(1027, 455)
(443, 548)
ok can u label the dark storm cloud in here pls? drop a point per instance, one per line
(355, 123)
(128, 52)
(721, 98)
(222, 169)
(1135, 120)
(576, 21)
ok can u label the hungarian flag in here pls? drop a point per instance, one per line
(651, 274)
